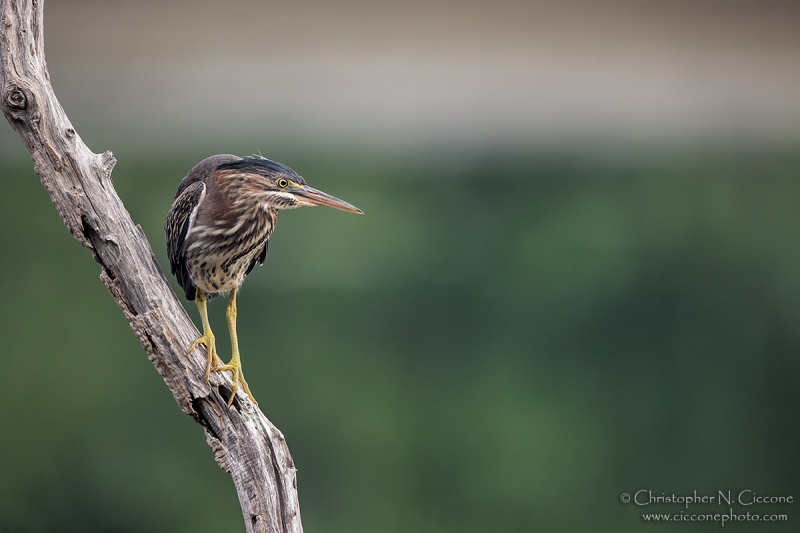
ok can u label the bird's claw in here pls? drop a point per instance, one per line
(207, 340)
(238, 377)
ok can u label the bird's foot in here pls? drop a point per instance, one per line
(207, 340)
(238, 377)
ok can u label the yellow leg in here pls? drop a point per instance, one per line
(207, 339)
(235, 366)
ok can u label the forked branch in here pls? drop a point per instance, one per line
(244, 442)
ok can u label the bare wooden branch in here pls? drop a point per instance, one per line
(244, 442)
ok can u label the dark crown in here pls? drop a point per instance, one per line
(264, 166)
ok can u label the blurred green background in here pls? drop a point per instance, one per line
(502, 343)
(568, 284)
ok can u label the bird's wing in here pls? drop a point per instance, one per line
(260, 259)
(179, 221)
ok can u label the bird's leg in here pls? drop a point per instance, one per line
(207, 339)
(235, 366)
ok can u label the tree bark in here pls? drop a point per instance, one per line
(244, 442)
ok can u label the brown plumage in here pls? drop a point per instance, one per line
(218, 229)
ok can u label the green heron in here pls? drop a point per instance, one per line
(218, 229)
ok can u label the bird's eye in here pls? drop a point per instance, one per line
(282, 183)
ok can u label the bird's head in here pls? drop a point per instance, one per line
(277, 186)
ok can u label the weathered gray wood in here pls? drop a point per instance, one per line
(244, 442)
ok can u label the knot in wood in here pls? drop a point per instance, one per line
(16, 99)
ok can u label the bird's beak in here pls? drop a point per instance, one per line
(310, 196)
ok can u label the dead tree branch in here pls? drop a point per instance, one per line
(244, 442)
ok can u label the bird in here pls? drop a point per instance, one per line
(218, 230)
